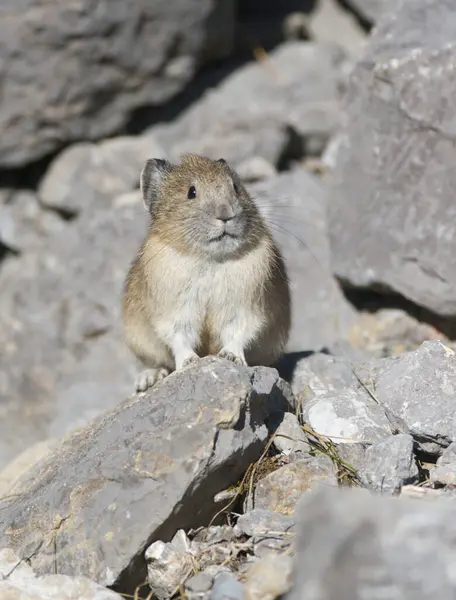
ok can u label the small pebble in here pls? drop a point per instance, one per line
(227, 587)
(269, 577)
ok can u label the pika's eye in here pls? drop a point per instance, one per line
(236, 188)
(191, 192)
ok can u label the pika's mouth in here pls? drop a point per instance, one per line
(223, 235)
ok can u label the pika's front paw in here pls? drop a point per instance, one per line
(237, 360)
(148, 378)
(191, 360)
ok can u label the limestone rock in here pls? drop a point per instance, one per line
(18, 582)
(168, 565)
(418, 389)
(373, 10)
(349, 416)
(444, 472)
(290, 437)
(96, 63)
(88, 174)
(262, 107)
(268, 578)
(226, 587)
(143, 470)
(390, 464)
(282, 490)
(392, 214)
(354, 545)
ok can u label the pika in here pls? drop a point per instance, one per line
(208, 278)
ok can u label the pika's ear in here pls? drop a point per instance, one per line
(222, 161)
(151, 179)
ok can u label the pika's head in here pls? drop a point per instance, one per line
(200, 206)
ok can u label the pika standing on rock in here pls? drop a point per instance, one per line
(208, 279)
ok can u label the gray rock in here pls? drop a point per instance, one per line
(258, 522)
(256, 169)
(330, 22)
(320, 373)
(289, 436)
(419, 390)
(227, 587)
(445, 471)
(293, 205)
(353, 455)
(282, 490)
(392, 213)
(18, 582)
(214, 550)
(169, 565)
(389, 465)
(347, 416)
(268, 578)
(62, 357)
(373, 10)
(140, 472)
(199, 584)
(353, 545)
(253, 111)
(24, 225)
(86, 174)
(20, 465)
(390, 332)
(95, 65)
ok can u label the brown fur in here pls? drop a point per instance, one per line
(176, 273)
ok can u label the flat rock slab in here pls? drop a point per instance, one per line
(353, 545)
(150, 466)
(392, 215)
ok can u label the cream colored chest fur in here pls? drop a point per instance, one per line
(191, 292)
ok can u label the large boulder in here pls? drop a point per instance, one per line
(289, 102)
(73, 71)
(142, 471)
(353, 545)
(392, 213)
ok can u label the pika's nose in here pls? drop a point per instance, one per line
(224, 212)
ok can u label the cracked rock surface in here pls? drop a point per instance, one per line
(154, 461)
(392, 214)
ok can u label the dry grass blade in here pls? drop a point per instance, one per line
(250, 502)
(136, 595)
(324, 445)
(239, 488)
(253, 473)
